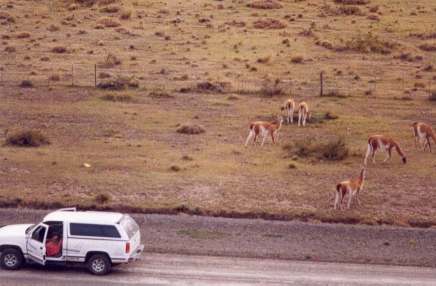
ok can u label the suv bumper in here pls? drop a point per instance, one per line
(137, 253)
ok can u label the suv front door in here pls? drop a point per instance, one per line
(36, 244)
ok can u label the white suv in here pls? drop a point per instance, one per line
(99, 239)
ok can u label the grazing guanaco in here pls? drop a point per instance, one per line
(289, 107)
(351, 188)
(303, 113)
(423, 132)
(264, 128)
(385, 144)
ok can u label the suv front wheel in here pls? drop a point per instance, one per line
(11, 259)
(99, 264)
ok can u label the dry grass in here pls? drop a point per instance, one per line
(176, 45)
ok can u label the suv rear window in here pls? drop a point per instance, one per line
(129, 225)
(96, 230)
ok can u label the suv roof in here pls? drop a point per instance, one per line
(70, 215)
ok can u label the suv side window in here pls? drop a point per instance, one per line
(39, 234)
(95, 230)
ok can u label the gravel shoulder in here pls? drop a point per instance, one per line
(183, 234)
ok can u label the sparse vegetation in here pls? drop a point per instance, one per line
(268, 24)
(117, 97)
(108, 22)
(369, 43)
(428, 47)
(102, 198)
(265, 4)
(160, 94)
(352, 2)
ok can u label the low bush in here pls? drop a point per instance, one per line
(108, 22)
(160, 94)
(102, 198)
(432, 96)
(26, 84)
(118, 83)
(369, 43)
(117, 97)
(352, 2)
(268, 24)
(265, 4)
(333, 149)
(27, 138)
(191, 129)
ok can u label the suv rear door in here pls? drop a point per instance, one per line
(36, 244)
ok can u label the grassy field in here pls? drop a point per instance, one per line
(136, 160)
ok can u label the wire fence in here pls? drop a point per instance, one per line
(332, 83)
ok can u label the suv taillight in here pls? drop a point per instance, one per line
(127, 247)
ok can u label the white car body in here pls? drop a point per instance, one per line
(84, 233)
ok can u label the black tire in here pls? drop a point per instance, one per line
(11, 259)
(99, 264)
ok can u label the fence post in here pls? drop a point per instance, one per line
(72, 74)
(321, 82)
(95, 75)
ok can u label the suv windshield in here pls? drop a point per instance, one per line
(129, 225)
(30, 228)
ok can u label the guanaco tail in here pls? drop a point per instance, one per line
(423, 132)
(264, 128)
(351, 188)
(385, 144)
(289, 107)
(303, 113)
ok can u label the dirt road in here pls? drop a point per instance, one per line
(171, 269)
(184, 234)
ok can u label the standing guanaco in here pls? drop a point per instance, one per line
(303, 113)
(385, 144)
(423, 132)
(264, 128)
(351, 187)
(289, 107)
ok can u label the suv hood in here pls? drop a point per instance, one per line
(15, 230)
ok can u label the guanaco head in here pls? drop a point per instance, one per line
(404, 160)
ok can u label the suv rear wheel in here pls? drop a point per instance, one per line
(99, 264)
(11, 259)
